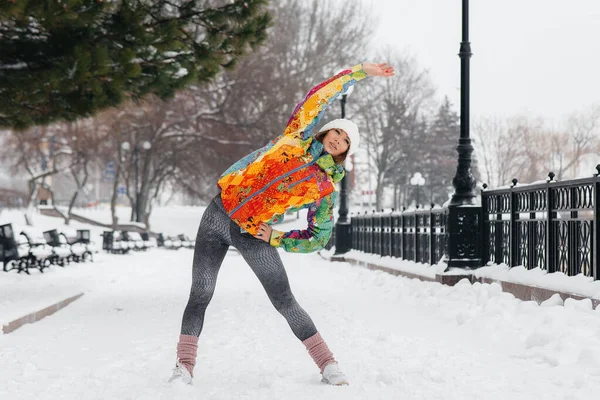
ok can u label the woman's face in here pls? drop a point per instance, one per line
(336, 142)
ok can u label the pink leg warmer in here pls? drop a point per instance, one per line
(318, 350)
(187, 349)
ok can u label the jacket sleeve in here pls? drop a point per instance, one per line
(309, 111)
(316, 236)
(276, 219)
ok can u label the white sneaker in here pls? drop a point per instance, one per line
(181, 373)
(333, 376)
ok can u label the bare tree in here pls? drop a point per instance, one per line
(502, 146)
(173, 147)
(581, 137)
(245, 108)
(527, 148)
(391, 112)
(40, 152)
(84, 138)
(205, 129)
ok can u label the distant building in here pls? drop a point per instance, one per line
(99, 189)
(10, 198)
(13, 189)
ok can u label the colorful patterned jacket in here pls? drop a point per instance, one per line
(289, 173)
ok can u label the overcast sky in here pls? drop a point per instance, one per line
(536, 57)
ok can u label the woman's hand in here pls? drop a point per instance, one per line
(373, 69)
(264, 233)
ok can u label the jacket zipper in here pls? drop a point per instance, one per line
(269, 185)
(300, 181)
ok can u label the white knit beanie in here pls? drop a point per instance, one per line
(349, 127)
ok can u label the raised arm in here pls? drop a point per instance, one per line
(316, 236)
(309, 111)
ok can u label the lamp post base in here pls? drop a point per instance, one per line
(343, 237)
(464, 237)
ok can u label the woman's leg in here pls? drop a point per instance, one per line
(266, 264)
(212, 242)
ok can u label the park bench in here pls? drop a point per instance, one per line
(61, 251)
(135, 240)
(9, 250)
(185, 241)
(172, 243)
(34, 250)
(82, 247)
(149, 241)
(112, 243)
(160, 240)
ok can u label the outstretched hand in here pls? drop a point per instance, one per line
(384, 69)
(264, 232)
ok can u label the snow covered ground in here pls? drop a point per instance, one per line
(395, 338)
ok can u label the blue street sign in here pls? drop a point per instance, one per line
(109, 171)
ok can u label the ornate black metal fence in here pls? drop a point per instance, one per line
(552, 225)
(417, 235)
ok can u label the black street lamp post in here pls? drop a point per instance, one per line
(417, 181)
(464, 215)
(342, 227)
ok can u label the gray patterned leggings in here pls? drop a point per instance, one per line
(215, 234)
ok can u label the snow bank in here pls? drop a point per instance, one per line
(580, 284)
(397, 264)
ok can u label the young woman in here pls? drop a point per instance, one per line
(297, 170)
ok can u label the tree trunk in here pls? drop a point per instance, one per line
(147, 218)
(71, 204)
(140, 206)
(33, 191)
(132, 200)
(379, 192)
(133, 204)
(145, 188)
(80, 186)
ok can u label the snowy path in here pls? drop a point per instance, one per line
(395, 338)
